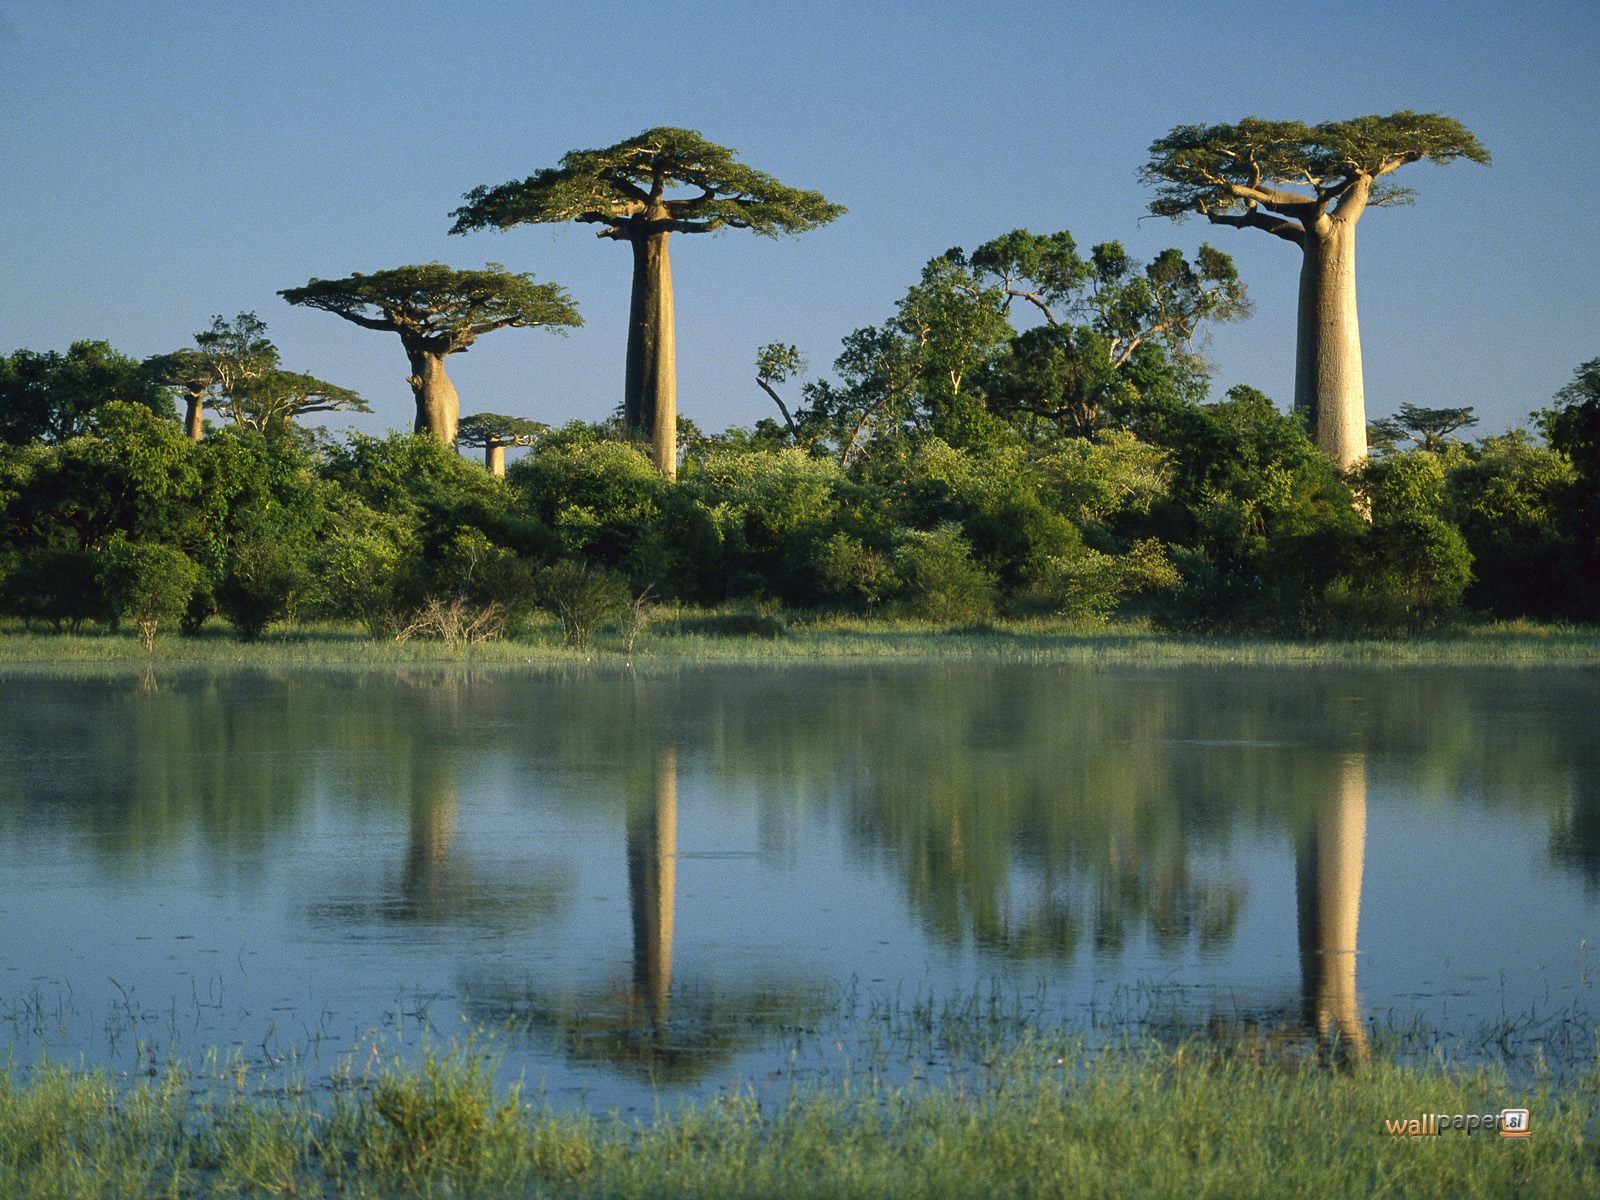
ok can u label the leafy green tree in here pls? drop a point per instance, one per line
(147, 583)
(1105, 318)
(493, 433)
(626, 189)
(939, 579)
(439, 311)
(269, 402)
(1510, 501)
(583, 598)
(1308, 185)
(53, 396)
(1425, 428)
(1572, 425)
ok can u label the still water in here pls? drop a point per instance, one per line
(667, 884)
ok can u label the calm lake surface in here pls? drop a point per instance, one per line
(664, 885)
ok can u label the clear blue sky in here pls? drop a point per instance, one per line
(168, 161)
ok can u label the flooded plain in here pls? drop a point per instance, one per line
(669, 884)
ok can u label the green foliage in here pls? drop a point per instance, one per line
(1090, 585)
(494, 429)
(52, 396)
(1425, 428)
(440, 308)
(1402, 485)
(57, 585)
(939, 579)
(603, 500)
(1412, 572)
(1236, 170)
(147, 583)
(583, 598)
(1511, 502)
(622, 188)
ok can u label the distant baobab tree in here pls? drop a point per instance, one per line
(1308, 184)
(439, 311)
(624, 189)
(492, 433)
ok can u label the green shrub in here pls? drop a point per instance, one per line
(939, 579)
(583, 598)
(58, 586)
(1090, 585)
(146, 583)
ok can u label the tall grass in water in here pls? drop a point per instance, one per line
(1059, 1120)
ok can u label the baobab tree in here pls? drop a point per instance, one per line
(1309, 185)
(625, 190)
(270, 402)
(439, 311)
(492, 433)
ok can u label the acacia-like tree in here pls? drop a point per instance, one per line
(269, 402)
(626, 189)
(1308, 184)
(493, 432)
(439, 311)
(1426, 428)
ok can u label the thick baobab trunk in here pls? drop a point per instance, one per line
(438, 407)
(650, 404)
(494, 457)
(1328, 867)
(652, 885)
(1327, 377)
(194, 416)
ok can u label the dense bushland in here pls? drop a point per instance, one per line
(959, 465)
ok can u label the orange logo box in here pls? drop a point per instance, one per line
(1514, 1122)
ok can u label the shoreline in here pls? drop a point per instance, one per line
(830, 641)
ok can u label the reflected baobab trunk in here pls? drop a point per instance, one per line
(1328, 865)
(426, 883)
(652, 884)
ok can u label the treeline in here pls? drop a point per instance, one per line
(952, 500)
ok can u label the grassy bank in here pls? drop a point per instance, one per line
(1181, 1122)
(689, 638)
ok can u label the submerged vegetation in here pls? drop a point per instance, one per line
(1041, 1119)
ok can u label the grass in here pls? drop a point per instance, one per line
(1183, 1120)
(688, 637)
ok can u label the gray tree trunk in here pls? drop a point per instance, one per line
(438, 406)
(1327, 377)
(650, 401)
(194, 417)
(494, 457)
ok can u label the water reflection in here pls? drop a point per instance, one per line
(1328, 866)
(655, 874)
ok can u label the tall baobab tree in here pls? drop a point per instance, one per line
(439, 311)
(625, 190)
(1309, 185)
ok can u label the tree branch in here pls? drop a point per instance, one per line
(1288, 230)
(782, 407)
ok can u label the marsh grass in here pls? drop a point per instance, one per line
(688, 637)
(1045, 1118)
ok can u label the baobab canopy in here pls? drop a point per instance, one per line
(1308, 184)
(625, 190)
(1296, 170)
(437, 311)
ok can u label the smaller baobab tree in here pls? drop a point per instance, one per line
(228, 356)
(1309, 185)
(493, 433)
(439, 311)
(625, 189)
